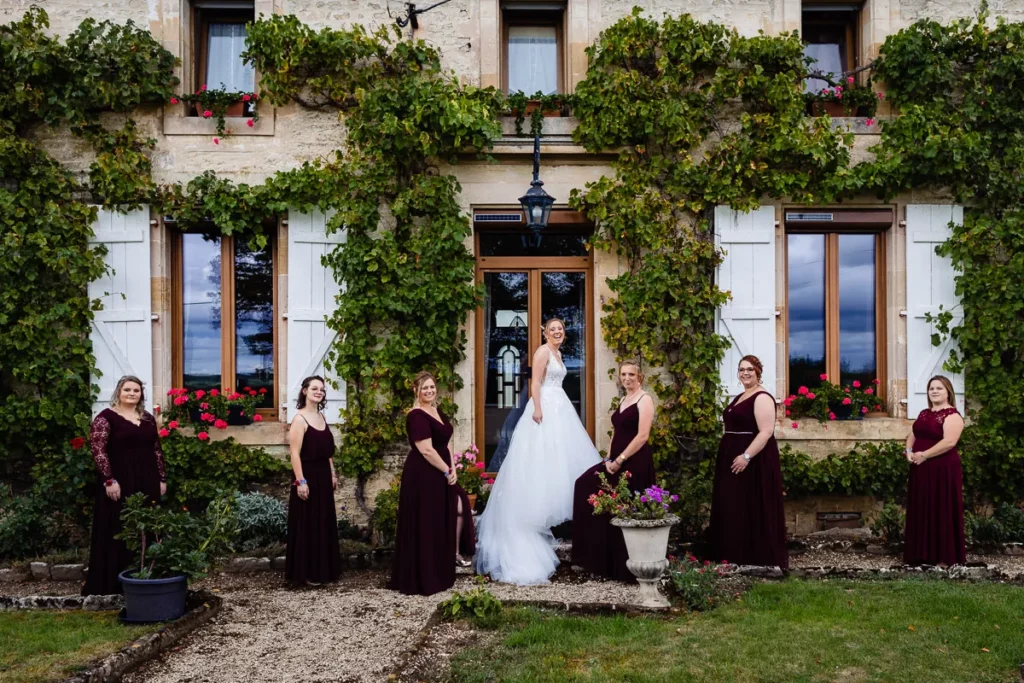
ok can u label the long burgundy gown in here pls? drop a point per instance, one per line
(130, 454)
(597, 546)
(748, 522)
(935, 501)
(313, 553)
(424, 559)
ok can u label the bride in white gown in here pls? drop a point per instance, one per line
(533, 491)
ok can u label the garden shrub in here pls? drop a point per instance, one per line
(384, 519)
(261, 521)
(889, 524)
(697, 584)
(477, 603)
(1005, 525)
(867, 469)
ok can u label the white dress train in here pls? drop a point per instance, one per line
(533, 490)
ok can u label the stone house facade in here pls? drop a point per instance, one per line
(841, 288)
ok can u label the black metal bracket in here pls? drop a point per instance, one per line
(412, 13)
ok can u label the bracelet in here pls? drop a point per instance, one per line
(300, 482)
(110, 482)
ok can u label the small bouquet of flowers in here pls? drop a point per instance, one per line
(468, 471)
(624, 503)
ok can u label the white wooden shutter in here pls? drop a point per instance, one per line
(312, 291)
(930, 283)
(748, 274)
(122, 332)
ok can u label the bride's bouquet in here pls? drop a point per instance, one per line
(624, 503)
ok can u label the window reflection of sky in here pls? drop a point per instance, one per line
(806, 279)
(201, 306)
(857, 303)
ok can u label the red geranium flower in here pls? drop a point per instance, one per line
(257, 418)
(823, 377)
(249, 123)
(214, 392)
(810, 395)
(856, 384)
(77, 442)
(802, 391)
(174, 100)
(164, 433)
(200, 393)
(869, 391)
(203, 436)
(220, 424)
(263, 390)
(173, 424)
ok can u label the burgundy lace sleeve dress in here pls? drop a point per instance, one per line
(424, 559)
(131, 454)
(748, 521)
(313, 552)
(935, 502)
(597, 546)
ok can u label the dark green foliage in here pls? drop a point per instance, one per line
(1006, 525)
(476, 603)
(384, 519)
(889, 524)
(200, 471)
(868, 469)
(660, 91)
(168, 543)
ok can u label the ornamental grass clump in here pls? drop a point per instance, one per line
(624, 503)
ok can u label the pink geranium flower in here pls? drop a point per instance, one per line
(810, 395)
(257, 418)
(220, 424)
(203, 436)
(803, 391)
(164, 433)
(856, 384)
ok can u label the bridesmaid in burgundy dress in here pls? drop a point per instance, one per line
(313, 555)
(597, 546)
(126, 448)
(748, 523)
(435, 523)
(935, 502)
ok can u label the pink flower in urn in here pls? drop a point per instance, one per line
(207, 113)
(180, 400)
(823, 377)
(220, 424)
(878, 407)
(831, 416)
(214, 392)
(789, 401)
(200, 393)
(803, 391)
(257, 418)
(847, 401)
(203, 436)
(810, 395)
(869, 391)
(204, 406)
(863, 410)
(856, 384)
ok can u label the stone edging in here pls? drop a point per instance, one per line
(41, 571)
(843, 546)
(90, 603)
(204, 606)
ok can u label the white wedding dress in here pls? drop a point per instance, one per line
(534, 487)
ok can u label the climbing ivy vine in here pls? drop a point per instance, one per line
(703, 117)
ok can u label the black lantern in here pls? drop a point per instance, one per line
(536, 202)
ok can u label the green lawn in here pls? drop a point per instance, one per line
(905, 631)
(42, 646)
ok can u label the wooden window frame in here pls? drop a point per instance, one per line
(535, 267)
(832, 233)
(228, 332)
(525, 17)
(841, 17)
(201, 20)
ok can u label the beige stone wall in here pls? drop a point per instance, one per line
(468, 34)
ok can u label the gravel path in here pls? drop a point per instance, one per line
(354, 631)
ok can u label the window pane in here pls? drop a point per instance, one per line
(533, 59)
(200, 298)
(564, 296)
(254, 321)
(806, 281)
(858, 358)
(224, 67)
(826, 45)
(524, 243)
(507, 361)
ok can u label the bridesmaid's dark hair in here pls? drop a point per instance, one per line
(949, 389)
(301, 403)
(756, 362)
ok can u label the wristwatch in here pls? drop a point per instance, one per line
(746, 456)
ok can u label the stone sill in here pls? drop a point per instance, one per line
(176, 123)
(868, 429)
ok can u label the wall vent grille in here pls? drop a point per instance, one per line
(815, 217)
(498, 218)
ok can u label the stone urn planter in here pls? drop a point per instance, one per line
(647, 544)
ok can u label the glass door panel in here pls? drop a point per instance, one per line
(858, 355)
(564, 295)
(806, 278)
(506, 350)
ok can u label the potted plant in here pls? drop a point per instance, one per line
(537, 107)
(829, 401)
(218, 103)
(645, 523)
(470, 474)
(847, 98)
(215, 407)
(172, 548)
